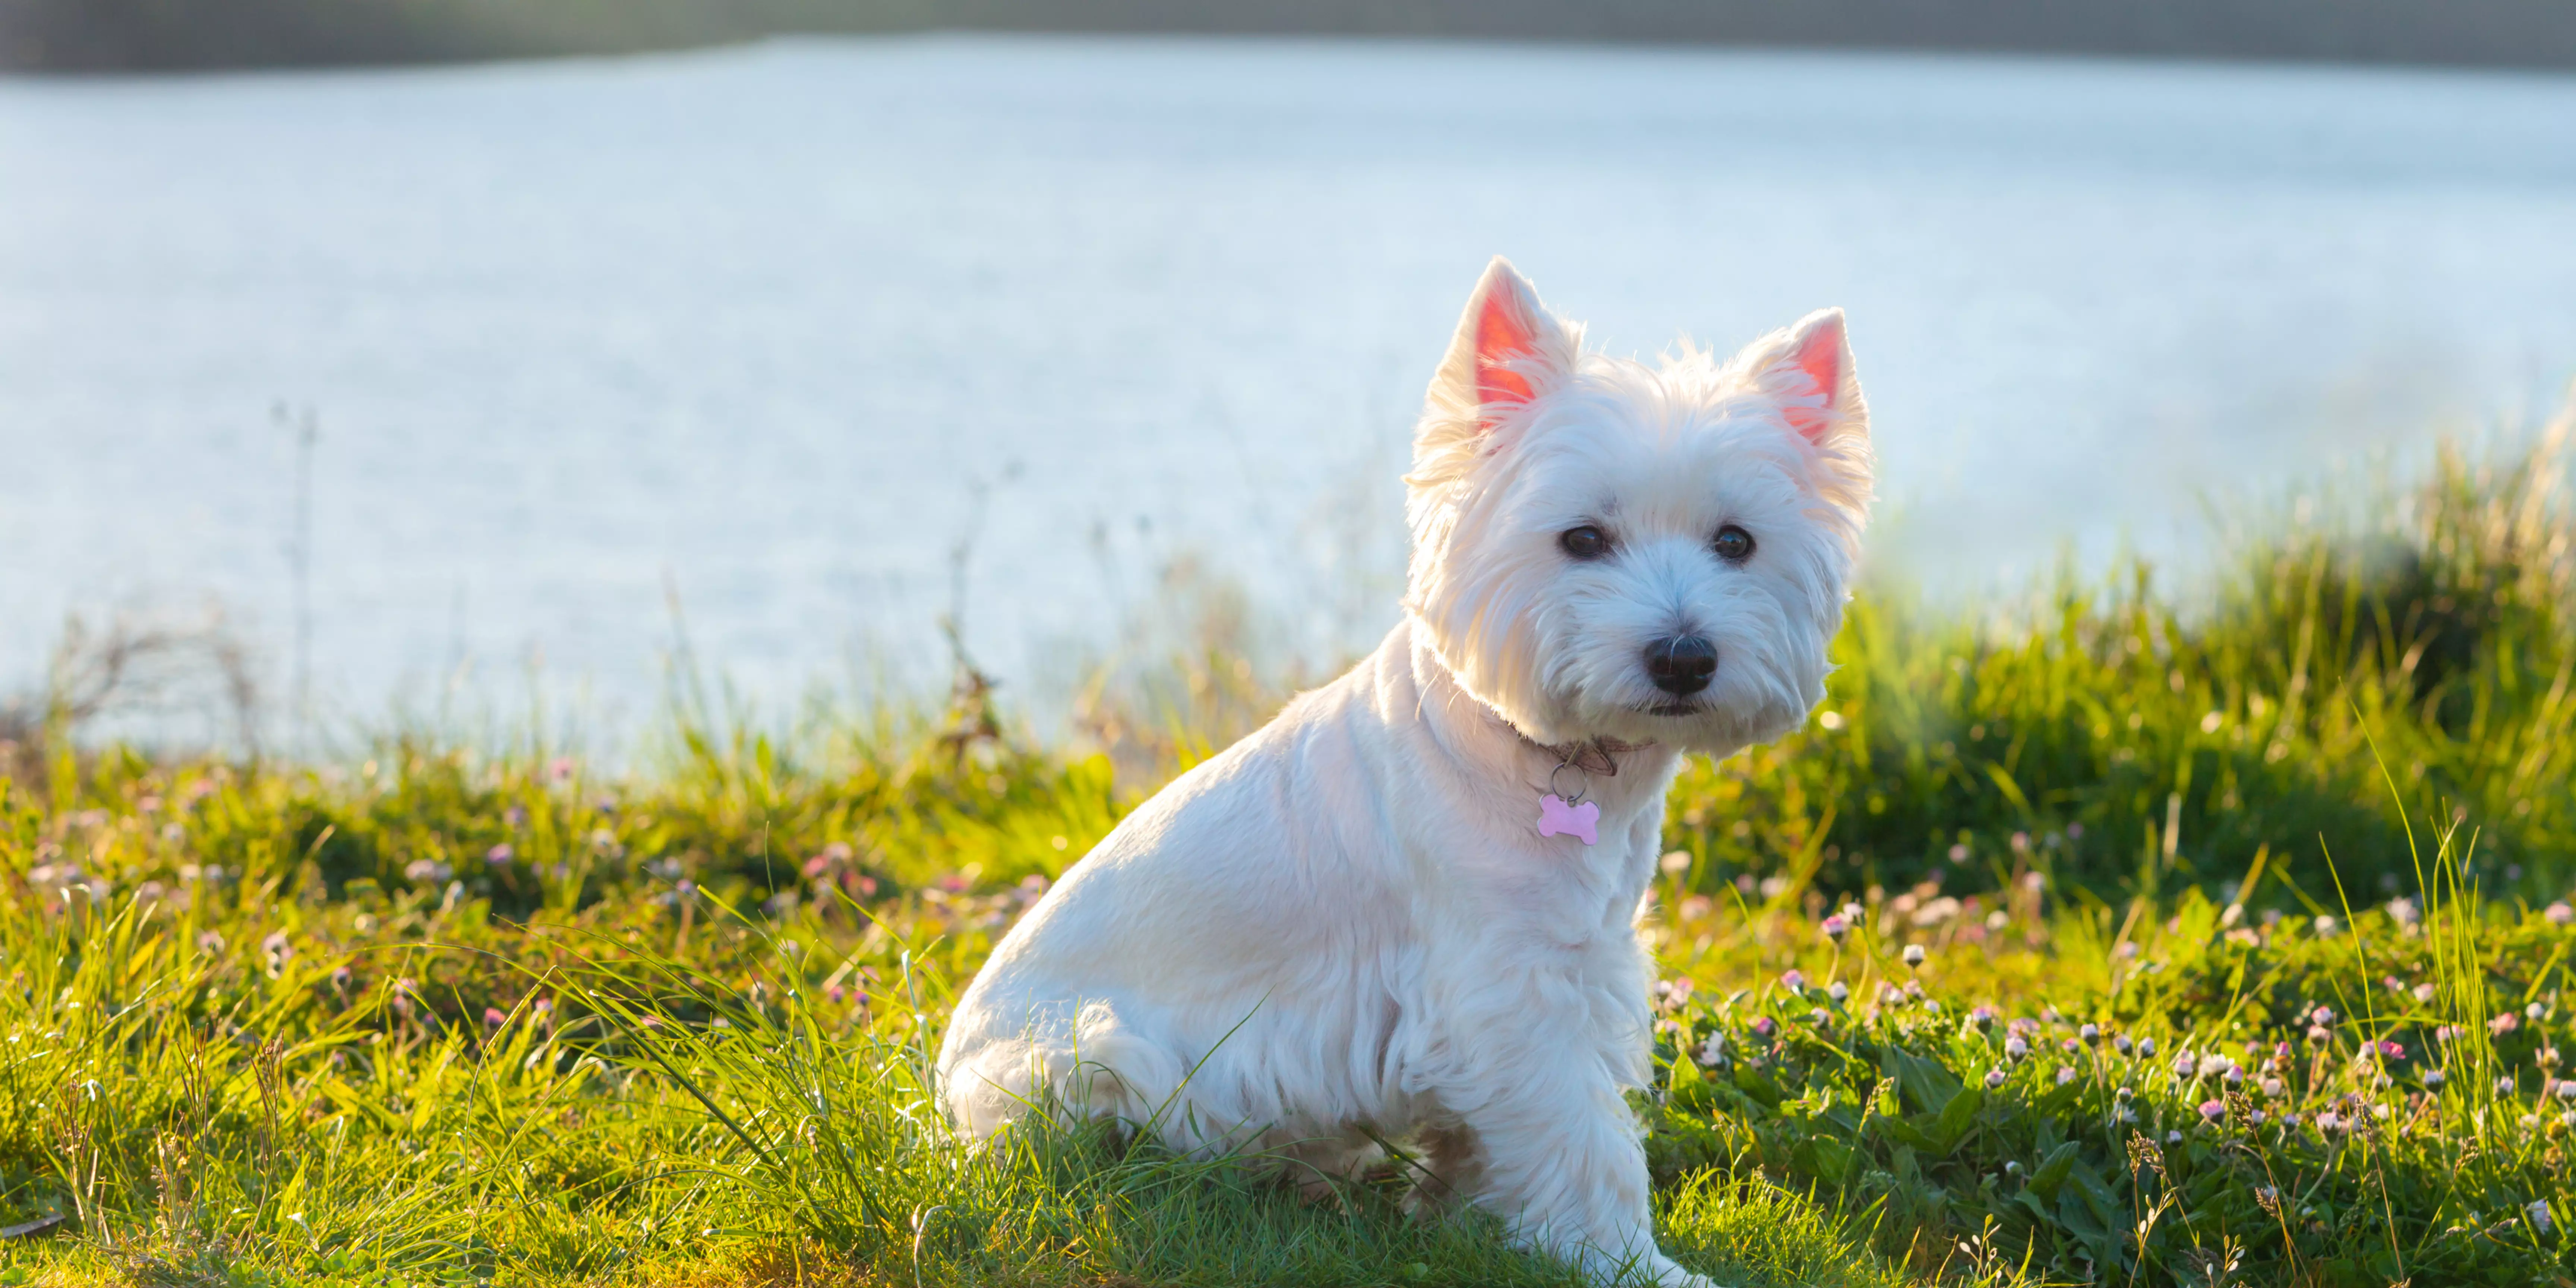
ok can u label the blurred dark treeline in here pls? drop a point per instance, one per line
(142, 35)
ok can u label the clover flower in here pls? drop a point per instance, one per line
(1913, 955)
(2065, 1074)
(1835, 927)
(499, 856)
(2325, 925)
(2146, 1048)
(2123, 1045)
(2559, 913)
(2015, 1049)
(1765, 1027)
(2091, 1034)
(2424, 992)
(1839, 991)
(1994, 1078)
(2274, 1088)
(2504, 1023)
(1795, 981)
(2213, 1110)
(2434, 1079)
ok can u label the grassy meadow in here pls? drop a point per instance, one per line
(2122, 935)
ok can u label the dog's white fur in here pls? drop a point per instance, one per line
(1346, 928)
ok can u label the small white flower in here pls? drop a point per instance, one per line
(1914, 954)
(2539, 1214)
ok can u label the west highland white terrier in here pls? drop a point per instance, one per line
(1406, 908)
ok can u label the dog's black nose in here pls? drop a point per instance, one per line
(1681, 666)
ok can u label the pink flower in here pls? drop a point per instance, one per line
(493, 1015)
(2559, 913)
(1765, 1027)
(1836, 927)
(1794, 980)
(1994, 1079)
(2503, 1024)
(2213, 1110)
(500, 855)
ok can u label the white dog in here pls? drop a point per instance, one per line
(1405, 909)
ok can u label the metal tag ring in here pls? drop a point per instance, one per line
(1582, 781)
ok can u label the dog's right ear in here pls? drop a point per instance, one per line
(1508, 350)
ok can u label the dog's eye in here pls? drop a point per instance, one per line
(1586, 542)
(1733, 544)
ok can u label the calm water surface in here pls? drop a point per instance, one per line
(759, 327)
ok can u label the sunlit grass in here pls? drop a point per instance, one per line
(438, 1015)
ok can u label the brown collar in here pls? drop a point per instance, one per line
(1592, 755)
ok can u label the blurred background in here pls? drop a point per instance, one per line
(434, 355)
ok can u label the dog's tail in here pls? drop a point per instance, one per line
(1099, 1069)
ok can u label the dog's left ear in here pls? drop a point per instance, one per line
(1808, 369)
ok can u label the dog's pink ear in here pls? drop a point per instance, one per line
(1507, 329)
(1507, 347)
(1809, 367)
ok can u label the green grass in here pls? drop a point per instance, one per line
(435, 1014)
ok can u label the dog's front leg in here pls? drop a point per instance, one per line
(1556, 1154)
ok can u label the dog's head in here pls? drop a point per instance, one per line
(1652, 554)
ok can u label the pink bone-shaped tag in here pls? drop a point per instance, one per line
(1556, 818)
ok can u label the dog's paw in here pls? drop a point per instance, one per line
(1664, 1272)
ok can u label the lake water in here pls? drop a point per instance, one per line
(758, 326)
